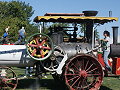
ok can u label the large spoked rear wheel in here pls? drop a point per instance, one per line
(39, 46)
(8, 79)
(83, 72)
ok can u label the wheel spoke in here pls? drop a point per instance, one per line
(92, 70)
(79, 83)
(75, 67)
(72, 78)
(86, 64)
(91, 75)
(34, 52)
(84, 82)
(42, 42)
(11, 84)
(71, 74)
(78, 62)
(48, 48)
(83, 64)
(37, 42)
(73, 70)
(10, 79)
(90, 67)
(32, 45)
(6, 84)
(93, 83)
(75, 81)
(41, 54)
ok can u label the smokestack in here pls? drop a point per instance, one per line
(110, 13)
(115, 34)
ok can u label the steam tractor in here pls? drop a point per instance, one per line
(69, 56)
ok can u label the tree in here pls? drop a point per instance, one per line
(16, 14)
(20, 9)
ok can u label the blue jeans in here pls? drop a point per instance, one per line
(20, 39)
(106, 53)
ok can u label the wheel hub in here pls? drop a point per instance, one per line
(83, 73)
(40, 46)
(4, 80)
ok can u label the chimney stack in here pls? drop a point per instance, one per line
(115, 34)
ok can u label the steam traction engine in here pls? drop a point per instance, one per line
(62, 51)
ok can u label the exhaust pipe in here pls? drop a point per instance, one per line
(115, 48)
(115, 34)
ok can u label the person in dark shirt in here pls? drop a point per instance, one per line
(6, 32)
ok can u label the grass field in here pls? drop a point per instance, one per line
(109, 83)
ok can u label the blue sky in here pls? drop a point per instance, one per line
(77, 6)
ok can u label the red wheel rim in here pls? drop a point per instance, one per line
(9, 81)
(83, 72)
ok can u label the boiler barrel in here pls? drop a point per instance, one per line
(71, 49)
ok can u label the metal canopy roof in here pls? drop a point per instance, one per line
(64, 14)
(72, 19)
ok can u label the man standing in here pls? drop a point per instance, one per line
(106, 48)
(21, 35)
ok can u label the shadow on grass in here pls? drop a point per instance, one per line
(40, 84)
(43, 84)
(104, 88)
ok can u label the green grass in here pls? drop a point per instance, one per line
(35, 83)
(109, 83)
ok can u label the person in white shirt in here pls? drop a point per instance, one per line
(21, 33)
(21, 37)
(106, 50)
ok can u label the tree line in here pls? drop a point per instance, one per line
(16, 14)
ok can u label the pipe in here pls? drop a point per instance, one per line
(115, 34)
